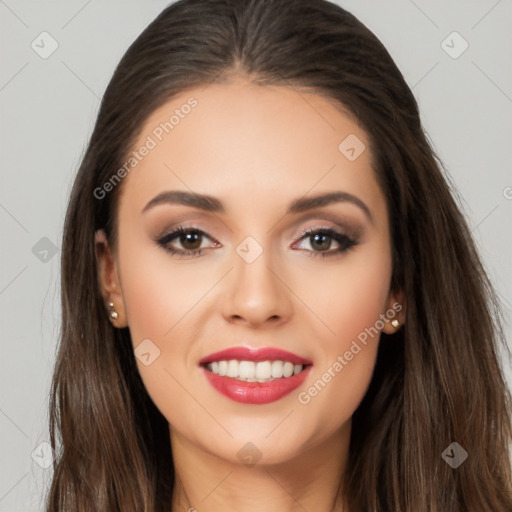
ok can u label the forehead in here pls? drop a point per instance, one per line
(247, 142)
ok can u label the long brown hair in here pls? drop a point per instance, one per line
(437, 380)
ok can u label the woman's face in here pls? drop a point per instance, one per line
(251, 279)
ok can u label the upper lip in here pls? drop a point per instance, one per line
(255, 354)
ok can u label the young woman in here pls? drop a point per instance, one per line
(270, 299)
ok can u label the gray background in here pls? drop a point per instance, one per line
(48, 107)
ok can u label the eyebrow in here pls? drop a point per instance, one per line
(212, 204)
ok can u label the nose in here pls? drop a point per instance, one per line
(257, 294)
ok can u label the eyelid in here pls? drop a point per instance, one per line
(184, 228)
(344, 229)
(350, 230)
(177, 227)
(339, 236)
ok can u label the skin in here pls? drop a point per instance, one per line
(256, 149)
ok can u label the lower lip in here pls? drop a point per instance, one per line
(255, 392)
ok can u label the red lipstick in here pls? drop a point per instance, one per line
(255, 392)
(256, 355)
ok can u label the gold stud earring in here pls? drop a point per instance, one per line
(395, 323)
(113, 313)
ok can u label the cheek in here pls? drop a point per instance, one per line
(349, 295)
(357, 298)
(162, 298)
(158, 291)
(157, 298)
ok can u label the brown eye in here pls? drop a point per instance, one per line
(321, 240)
(189, 238)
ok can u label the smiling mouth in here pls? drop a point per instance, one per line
(251, 371)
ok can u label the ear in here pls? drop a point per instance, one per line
(108, 280)
(395, 310)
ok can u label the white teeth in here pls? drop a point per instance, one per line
(232, 368)
(249, 371)
(246, 369)
(223, 368)
(288, 369)
(277, 369)
(264, 370)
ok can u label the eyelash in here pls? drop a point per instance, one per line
(346, 242)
